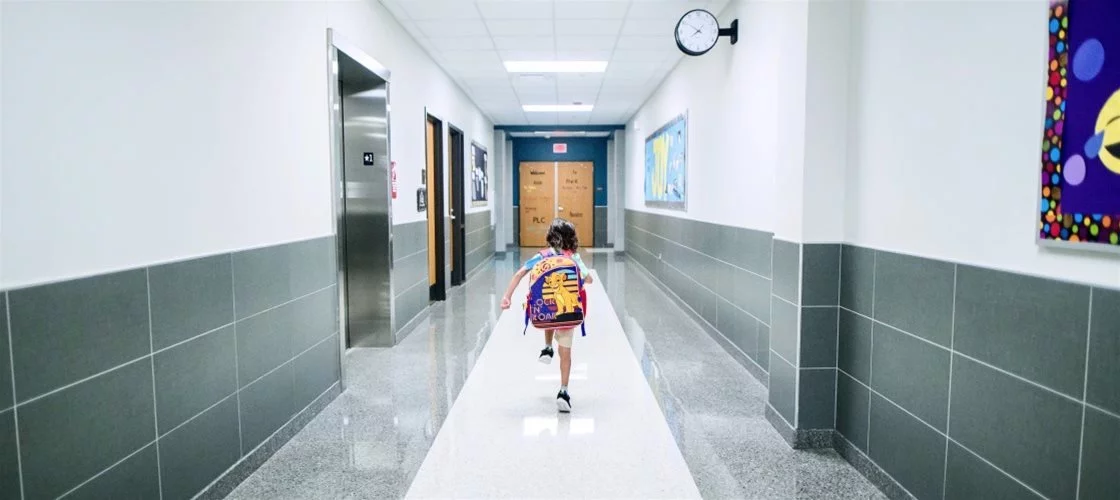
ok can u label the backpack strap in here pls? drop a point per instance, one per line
(526, 319)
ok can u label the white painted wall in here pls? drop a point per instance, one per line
(746, 122)
(137, 133)
(947, 118)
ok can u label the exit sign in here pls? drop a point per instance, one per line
(559, 148)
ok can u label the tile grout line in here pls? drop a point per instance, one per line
(287, 302)
(107, 469)
(1084, 396)
(236, 355)
(686, 247)
(15, 399)
(836, 362)
(871, 348)
(152, 361)
(81, 381)
(293, 358)
(770, 341)
(984, 363)
(199, 414)
(949, 400)
(196, 337)
(940, 433)
(713, 292)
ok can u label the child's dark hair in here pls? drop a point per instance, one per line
(562, 235)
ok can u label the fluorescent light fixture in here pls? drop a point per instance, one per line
(556, 66)
(556, 108)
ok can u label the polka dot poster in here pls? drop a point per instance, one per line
(1080, 188)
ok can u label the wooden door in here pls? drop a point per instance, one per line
(576, 198)
(431, 181)
(538, 202)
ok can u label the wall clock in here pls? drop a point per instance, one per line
(698, 31)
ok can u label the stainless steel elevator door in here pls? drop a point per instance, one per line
(366, 217)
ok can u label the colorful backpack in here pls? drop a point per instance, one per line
(556, 296)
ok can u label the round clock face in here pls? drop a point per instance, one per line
(697, 32)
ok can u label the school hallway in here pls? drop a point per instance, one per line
(843, 249)
(462, 409)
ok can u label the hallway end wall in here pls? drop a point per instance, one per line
(578, 149)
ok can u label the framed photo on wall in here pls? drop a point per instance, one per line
(480, 183)
(1080, 179)
(666, 156)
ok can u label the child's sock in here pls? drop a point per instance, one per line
(563, 388)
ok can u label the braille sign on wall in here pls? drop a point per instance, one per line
(559, 148)
(367, 159)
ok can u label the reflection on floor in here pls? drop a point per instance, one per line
(372, 440)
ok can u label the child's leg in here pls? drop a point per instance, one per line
(548, 337)
(564, 341)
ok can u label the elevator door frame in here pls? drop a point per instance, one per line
(336, 44)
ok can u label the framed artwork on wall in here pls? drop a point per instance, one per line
(1080, 178)
(480, 183)
(667, 165)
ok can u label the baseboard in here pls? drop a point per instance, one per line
(234, 476)
(741, 357)
(869, 469)
(785, 430)
(403, 332)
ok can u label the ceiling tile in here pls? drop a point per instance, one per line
(423, 10)
(524, 43)
(542, 118)
(537, 96)
(462, 43)
(591, 9)
(579, 80)
(521, 9)
(584, 55)
(664, 9)
(608, 27)
(665, 41)
(640, 27)
(577, 95)
(520, 27)
(440, 28)
(573, 118)
(527, 55)
(645, 55)
(579, 42)
(395, 9)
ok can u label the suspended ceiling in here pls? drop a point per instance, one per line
(470, 39)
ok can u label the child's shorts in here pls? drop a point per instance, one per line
(564, 337)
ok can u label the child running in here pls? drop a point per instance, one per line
(562, 240)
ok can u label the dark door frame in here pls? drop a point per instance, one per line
(458, 206)
(438, 291)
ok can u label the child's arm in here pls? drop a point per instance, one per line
(517, 277)
(584, 272)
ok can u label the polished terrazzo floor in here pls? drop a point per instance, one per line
(373, 439)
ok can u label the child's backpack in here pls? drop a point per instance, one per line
(556, 296)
